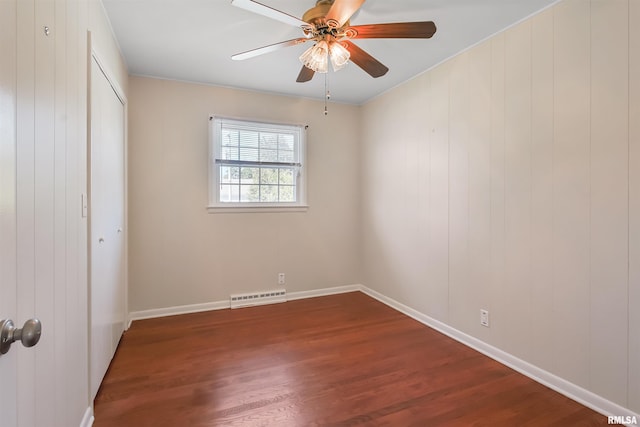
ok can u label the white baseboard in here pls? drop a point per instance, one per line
(291, 296)
(87, 419)
(562, 386)
(220, 305)
(177, 310)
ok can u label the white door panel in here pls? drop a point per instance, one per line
(8, 309)
(107, 224)
(42, 235)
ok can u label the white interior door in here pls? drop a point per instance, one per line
(107, 217)
(8, 298)
(42, 233)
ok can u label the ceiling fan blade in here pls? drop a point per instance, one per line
(365, 61)
(305, 75)
(269, 12)
(401, 30)
(267, 49)
(341, 11)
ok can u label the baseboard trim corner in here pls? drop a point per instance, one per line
(562, 386)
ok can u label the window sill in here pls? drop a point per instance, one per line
(255, 209)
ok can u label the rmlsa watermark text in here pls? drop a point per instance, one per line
(623, 419)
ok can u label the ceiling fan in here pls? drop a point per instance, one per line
(327, 25)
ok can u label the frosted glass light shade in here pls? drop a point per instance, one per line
(339, 56)
(317, 57)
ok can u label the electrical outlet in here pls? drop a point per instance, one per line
(484, 317)
(280, 278)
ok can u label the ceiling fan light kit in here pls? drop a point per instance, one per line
(328, 25)
(318, 56)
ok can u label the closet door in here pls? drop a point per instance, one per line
(107, 247)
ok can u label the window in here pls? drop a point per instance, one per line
(256, 165)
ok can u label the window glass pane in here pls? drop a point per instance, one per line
(287, 193)
(269, 193)
(229, 175)
(268, 155)
(249, 154)
(230, 137)
(269, 140)
(268, 176)
(249, 139)
(230, 153)
(286, 176)
(229, 193)
(249, 193)
(250, 175)
(286, 156)
(285, 142)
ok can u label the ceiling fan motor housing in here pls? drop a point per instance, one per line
(316, 15)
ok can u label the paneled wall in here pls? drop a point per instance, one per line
(179, 254)
(508, 178)
(43, 172)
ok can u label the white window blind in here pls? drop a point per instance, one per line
(256, 164)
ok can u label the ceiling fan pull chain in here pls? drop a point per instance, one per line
(326, 91)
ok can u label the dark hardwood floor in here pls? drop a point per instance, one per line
(340, 360)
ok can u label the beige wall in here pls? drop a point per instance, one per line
(179, 253)
(508, 179)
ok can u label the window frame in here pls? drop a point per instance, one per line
(215, 135)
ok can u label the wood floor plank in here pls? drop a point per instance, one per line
(341, 360)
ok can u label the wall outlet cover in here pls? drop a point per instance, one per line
(484, 317)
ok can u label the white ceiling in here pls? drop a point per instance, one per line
(193, 40)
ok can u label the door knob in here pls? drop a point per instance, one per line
(29, 335)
